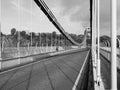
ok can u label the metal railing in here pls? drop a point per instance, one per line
(26, 56)
(107, 55)
(86, 75)
(18, 61)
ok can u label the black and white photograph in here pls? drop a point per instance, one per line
(59, 44)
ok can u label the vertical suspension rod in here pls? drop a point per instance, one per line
(98, 42)
(113, 45)
(0, 37)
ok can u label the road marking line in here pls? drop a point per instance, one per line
(79, 75)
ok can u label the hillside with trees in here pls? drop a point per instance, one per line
(39, 39)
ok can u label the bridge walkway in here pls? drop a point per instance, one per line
(55, 73)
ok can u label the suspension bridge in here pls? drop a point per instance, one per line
(58, 66)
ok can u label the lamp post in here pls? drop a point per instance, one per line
(51, 43)
(40, 42)
(31, 39)
(113, 44)
(60, 41)
(65, 42)
(46, 43)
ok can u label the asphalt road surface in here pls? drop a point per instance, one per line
(55, 73)
(106, 74)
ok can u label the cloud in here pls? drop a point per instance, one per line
(78, 12)
(76, 9)
(31, 12)
(68, 12)
(60, 10)
(9, 20)
(82, 14)
(105, 16)
(70, 5)
(20, 8)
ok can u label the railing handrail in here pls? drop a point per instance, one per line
(82, 70)
(109, 52)
(118, 68)
(11, 59)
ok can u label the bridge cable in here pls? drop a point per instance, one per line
(42, 5)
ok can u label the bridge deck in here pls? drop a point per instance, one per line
(49, 74)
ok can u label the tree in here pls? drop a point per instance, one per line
(23, 34)
(13, 31)
(33, 34)
(54, 34)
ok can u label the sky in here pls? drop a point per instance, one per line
(73, 15)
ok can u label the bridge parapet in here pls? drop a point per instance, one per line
(85, 77)
(106, 52)
(98, 84)
(14, 62)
